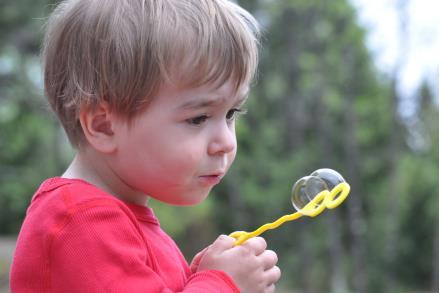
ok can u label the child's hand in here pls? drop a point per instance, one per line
(251, 266)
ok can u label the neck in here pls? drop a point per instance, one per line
(93, 168)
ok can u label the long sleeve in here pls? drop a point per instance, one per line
(98, 245)
(101, 249)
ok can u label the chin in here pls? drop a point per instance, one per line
(190, 202)
(176, 198)
(191, 199)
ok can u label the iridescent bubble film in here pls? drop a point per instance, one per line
(305, 189)
(331, 177)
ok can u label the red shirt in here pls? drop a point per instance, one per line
(77, 238)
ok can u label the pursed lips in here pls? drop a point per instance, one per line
(213, 178)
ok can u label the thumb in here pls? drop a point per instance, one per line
(223, 242)
(197, 259)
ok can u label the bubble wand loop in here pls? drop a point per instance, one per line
(324, 199)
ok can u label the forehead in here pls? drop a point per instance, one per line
(182, 98)
(205, 96)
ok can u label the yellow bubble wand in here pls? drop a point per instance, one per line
(311, 196)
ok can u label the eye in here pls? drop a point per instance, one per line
(197, 120)
(232, 113)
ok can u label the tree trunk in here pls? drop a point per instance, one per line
(435, 275)
(393, 204)
(337, 278)
(307, 260)
(395, 141)
(354, 202)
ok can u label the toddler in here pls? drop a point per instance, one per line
(148, 92)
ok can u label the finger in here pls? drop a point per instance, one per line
(272, 275)
(223, 242)
(256, 244)
(269, 259)
(197, 259)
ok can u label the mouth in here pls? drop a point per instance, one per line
(211, 179)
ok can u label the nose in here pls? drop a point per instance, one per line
(223, 139)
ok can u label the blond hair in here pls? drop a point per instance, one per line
(122, 51)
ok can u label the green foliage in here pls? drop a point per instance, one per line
(28, 135)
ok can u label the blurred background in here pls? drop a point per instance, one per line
(348, 85)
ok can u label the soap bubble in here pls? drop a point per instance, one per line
(308, 187)
(305, 189)
(331, 177)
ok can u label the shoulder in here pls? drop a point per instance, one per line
(71, 195)
(59, 202)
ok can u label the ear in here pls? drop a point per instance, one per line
(98, 124)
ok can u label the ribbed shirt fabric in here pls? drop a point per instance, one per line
(78, 238)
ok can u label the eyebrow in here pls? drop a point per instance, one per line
(210, 102)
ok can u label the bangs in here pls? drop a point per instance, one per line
(211, 47)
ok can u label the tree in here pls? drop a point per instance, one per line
(29, 140)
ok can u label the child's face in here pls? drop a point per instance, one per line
(181, 145)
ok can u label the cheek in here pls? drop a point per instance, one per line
(179, 156)
(231, 157)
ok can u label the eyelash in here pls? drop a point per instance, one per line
(197, 120)
(230, 116)
(234, 112)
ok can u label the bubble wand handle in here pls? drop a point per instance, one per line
(316, 206)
